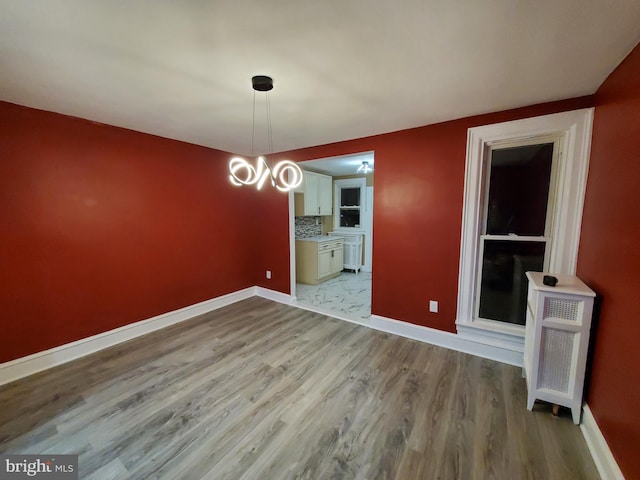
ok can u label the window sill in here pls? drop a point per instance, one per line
(489, 332)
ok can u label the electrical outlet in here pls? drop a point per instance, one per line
(268, 274)
(433, 306)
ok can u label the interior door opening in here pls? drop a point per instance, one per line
(341, 232)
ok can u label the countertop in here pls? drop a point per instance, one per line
(319, 238)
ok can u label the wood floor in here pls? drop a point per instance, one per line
(260, 390)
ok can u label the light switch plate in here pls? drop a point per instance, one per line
(433, 306)
(268, 274)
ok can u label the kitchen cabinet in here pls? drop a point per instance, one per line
(314, 196)
(352, 250)
(556, 341)
(324, 263)
(318, 259)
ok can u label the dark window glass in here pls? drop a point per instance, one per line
(350, 197)
(349, 217)
(503, 291)
(519, 190)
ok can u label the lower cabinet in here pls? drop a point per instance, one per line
(336, 262)
(324, 264)
(317, 261)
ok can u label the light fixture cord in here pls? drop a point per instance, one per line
(253, 127)
(269, 131)
(270, 135)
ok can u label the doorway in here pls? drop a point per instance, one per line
(345, 294)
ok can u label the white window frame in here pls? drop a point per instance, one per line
(574, 132)
(551, 196)
(360, 183)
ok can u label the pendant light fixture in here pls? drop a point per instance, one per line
(364, 168)
(285, 175)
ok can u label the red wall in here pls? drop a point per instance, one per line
(106, 226)
(418, 194)
(609, 261)
(103, 226)
(271, 241)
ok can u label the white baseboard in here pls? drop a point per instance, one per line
(22, 367)
(500, 353)
(605, 463)
(273, 295)
(446, 339)
(37, 362)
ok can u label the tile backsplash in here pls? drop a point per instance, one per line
(308, 226)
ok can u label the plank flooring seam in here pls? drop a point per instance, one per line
(262, 390)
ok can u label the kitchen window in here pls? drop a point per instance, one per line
(349, 199)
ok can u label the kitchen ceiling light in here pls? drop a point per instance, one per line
(364, 168)
(285, 175)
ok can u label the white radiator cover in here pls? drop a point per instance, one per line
(556, 340)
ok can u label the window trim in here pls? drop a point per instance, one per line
(574, 130)
(478, 285)
(553, 181)
(358, 182)
(483, 236)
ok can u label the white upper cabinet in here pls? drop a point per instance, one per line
(318, 195)
(325, 194)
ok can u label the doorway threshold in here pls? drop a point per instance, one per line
(359, 320)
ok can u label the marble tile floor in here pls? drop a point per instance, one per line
(348, 294)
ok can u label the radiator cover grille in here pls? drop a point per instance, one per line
(555, 359)
(562, 309)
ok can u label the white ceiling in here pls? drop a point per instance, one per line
(341, 165)
(342, 69)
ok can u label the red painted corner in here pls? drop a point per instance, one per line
(103, 226)
(609, 261)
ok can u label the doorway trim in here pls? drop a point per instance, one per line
(292, 246)
(574, 130)
(367, 228)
